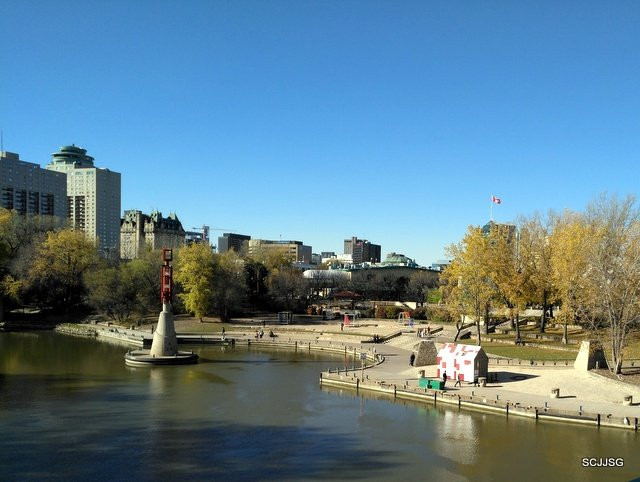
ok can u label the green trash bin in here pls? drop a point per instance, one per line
(423, 383)
(437, 384)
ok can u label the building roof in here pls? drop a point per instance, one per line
(460, 350)
(72, 155)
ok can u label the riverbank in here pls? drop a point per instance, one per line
(519, 390)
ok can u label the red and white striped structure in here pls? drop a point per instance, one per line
(462, 362)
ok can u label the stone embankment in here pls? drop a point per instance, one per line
(76, 329)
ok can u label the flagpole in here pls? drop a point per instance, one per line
(491, 210)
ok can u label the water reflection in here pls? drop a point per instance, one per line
(456, 437)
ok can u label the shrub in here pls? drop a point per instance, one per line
(392, 312)
(439, 313)
(421, 313)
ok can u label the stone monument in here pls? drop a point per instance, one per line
(164, 347)
(590, 356)
(427, 353)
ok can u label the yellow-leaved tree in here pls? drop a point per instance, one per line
(468, 285)
(56, 276)
(195, 271)
(211, 283)
(570, 241)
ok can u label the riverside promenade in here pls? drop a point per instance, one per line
(520, 389)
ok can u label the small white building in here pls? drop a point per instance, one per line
(462, 362)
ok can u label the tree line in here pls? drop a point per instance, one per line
(586, 263)
(45, 264)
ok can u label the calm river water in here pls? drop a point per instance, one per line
(71, 409)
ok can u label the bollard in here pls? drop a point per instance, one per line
(628, 400)
(555, 393)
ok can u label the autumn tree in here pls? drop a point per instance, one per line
(469, 289)
(613, 269)
(56, 276)
(570, 250)
(229, 288)
(539, 232)
(195, 272)
(19, 236)
(211, 283)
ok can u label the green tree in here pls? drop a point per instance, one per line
(113, 291)
(256, 282)
(145, 272)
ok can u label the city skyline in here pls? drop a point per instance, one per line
(395, 123)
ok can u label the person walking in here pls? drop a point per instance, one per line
(444, 379)
(412, 359)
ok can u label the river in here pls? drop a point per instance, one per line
(71, 410)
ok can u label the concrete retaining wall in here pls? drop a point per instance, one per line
(479, 403)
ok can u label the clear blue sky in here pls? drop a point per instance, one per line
(394, 121)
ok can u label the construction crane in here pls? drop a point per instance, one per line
(205, 231)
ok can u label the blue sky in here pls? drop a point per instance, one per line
(394, 121)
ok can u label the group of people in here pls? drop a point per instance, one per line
(260, 333)
(424, 332)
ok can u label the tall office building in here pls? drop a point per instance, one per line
(28, 189)
(138, 231)
(93, 196)
(232, 241)
(294, 249)
(507, 231)
(362, 251)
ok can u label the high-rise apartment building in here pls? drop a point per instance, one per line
(138, 231)
(28, 189)
(93, 196)
(233, 241)
(362, 251)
